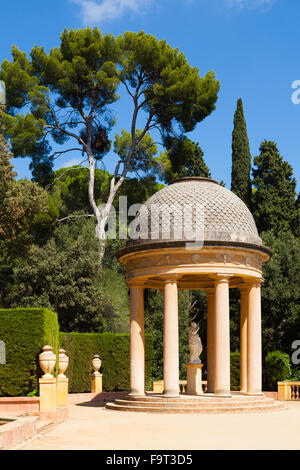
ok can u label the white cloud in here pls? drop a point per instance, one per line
(95, 11)
(250, 4)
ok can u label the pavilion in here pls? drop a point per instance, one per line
(227, 253)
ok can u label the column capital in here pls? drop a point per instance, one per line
(255, 282)
(222, 278)
(136, 283)
(171, 278)
(244, 287)
(210, 290)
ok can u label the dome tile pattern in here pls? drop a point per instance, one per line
(200, 205)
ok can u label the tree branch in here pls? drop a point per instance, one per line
(69, 169)
(70, 216)
(64, 151)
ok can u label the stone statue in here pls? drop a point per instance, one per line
(195, 344)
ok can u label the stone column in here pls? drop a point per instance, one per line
(210, 340)
(254, 359)
(222, 337)
(171, 346)
(243, 337)
(137, 341)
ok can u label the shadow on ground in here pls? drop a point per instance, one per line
(100, 400)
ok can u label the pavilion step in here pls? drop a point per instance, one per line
(195, 404)
(195, 399)
(239, 408)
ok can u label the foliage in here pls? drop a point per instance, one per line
(295, 375)
(182, 158)
(112, 283)
(64, 275)
(145, 149)
(235, 370)
(34, 393)
(170, 89)
(113, 350)
(277, 368)
(281, 292)
(234, 305)
(25, 332)
(10, 210)
(241, 157)
(66, 96)
(70, 187)
(274, 199)
(79, 74)
(26, 215)
(154, 325)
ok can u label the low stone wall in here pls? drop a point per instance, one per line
(17, 431)
(19, 405)
(23, 425)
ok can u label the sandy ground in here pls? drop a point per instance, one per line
(93, 427)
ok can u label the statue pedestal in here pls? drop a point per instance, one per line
(194, 379)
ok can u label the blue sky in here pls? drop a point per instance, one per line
(252, 45)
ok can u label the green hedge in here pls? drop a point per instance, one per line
(113, 350)
(277, 368)
(25, 331)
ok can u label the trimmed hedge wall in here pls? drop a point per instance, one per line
(25, 331)
(113, 350)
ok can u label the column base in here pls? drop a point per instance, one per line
(223, 394)
(254, 394)
(136, 394)
(170, 395)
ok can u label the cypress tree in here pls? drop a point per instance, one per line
(274, 200)
(241, 157)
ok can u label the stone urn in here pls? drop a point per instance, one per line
(47, 360)
(96, 364)
(63, 362)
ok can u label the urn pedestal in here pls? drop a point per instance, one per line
(47, 395)
(96, 377)
(97, 383)
(62, 391)
(194, 379)
(62, 381)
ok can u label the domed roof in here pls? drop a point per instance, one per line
(226, 217)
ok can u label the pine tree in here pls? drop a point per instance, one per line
(274, 199)
(182, 158)
(241, 157)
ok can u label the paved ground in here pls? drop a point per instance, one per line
(93, 427)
